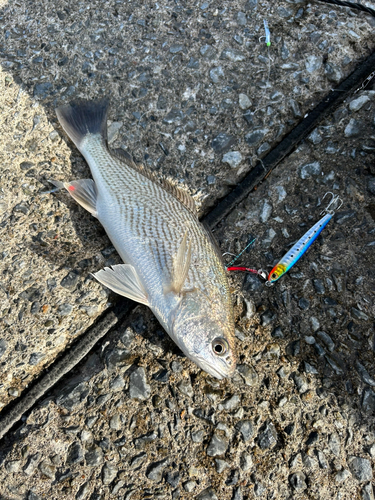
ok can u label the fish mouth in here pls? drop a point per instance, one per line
(214, 371)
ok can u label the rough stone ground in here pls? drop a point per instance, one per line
(189, 84)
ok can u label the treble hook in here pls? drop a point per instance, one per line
(336, 202)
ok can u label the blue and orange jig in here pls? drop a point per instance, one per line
(299, 248)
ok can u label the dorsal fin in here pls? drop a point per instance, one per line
(213, 240)
(180, 194)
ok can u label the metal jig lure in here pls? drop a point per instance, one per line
(297, 250)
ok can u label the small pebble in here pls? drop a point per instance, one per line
(315, 137)
(217, 446)
(229, 403)
(300, 382)
(234, 55)
(64, 309)
(315, 325)
(352, 129)
(357, 314)
(109, 472)
(259, 489)
(244, 101)
(342, 475)
(185, 388)
(310, 368)
(75, 453)
(216, 74)
(267, 317)
(197, 436)
(3, 347)
(13, 466)
(367, 379)
(47, 469)
(245, 427)
(313, 63)
(246, 462)
(222, 142)
(267, 438)
(334, 443)
(303, 304)
(333, 73)
(138, 386)
(207, 494)
(173, 478)
(357, 103)
(94, 456)
(176, 367)
(248, 373)
(298, 481)
(322, 460)
(309, 169)
(326, 339)
(233, 158)
(112, 131)
(189, 486)
(319, 287)
(207, 51)
(70, 280)
(155, 470)
(367, 492)
(115, 422)
(360, 468)
(265, 212)
(221, 465)
(253, 139)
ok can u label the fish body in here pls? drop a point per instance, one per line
(298, 249)
(170, 261)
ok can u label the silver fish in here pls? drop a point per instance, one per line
(170, 260)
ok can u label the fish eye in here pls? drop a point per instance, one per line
(220, 346)
(274, 276)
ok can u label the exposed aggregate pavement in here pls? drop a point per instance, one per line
(198, 96)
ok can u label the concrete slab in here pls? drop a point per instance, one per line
(138, 420)
(189, 84)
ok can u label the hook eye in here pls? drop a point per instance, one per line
(262, 274)
(334, 204)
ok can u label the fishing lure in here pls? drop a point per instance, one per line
(267, 31)
(297, 250)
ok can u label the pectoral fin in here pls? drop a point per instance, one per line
(123, 279)
(181, 264)
(83, 191)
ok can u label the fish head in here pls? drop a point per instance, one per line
(276, 273)
(203, 337)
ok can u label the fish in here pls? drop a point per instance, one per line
(171, 262)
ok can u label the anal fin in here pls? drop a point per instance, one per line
(83, 191)
(123, 279)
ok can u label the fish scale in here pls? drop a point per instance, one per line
(159, 224)
(170, 261)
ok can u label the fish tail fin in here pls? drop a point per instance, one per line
(82, 118)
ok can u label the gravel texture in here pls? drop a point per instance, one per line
(196, 95)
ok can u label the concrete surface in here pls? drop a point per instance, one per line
(189, 84)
